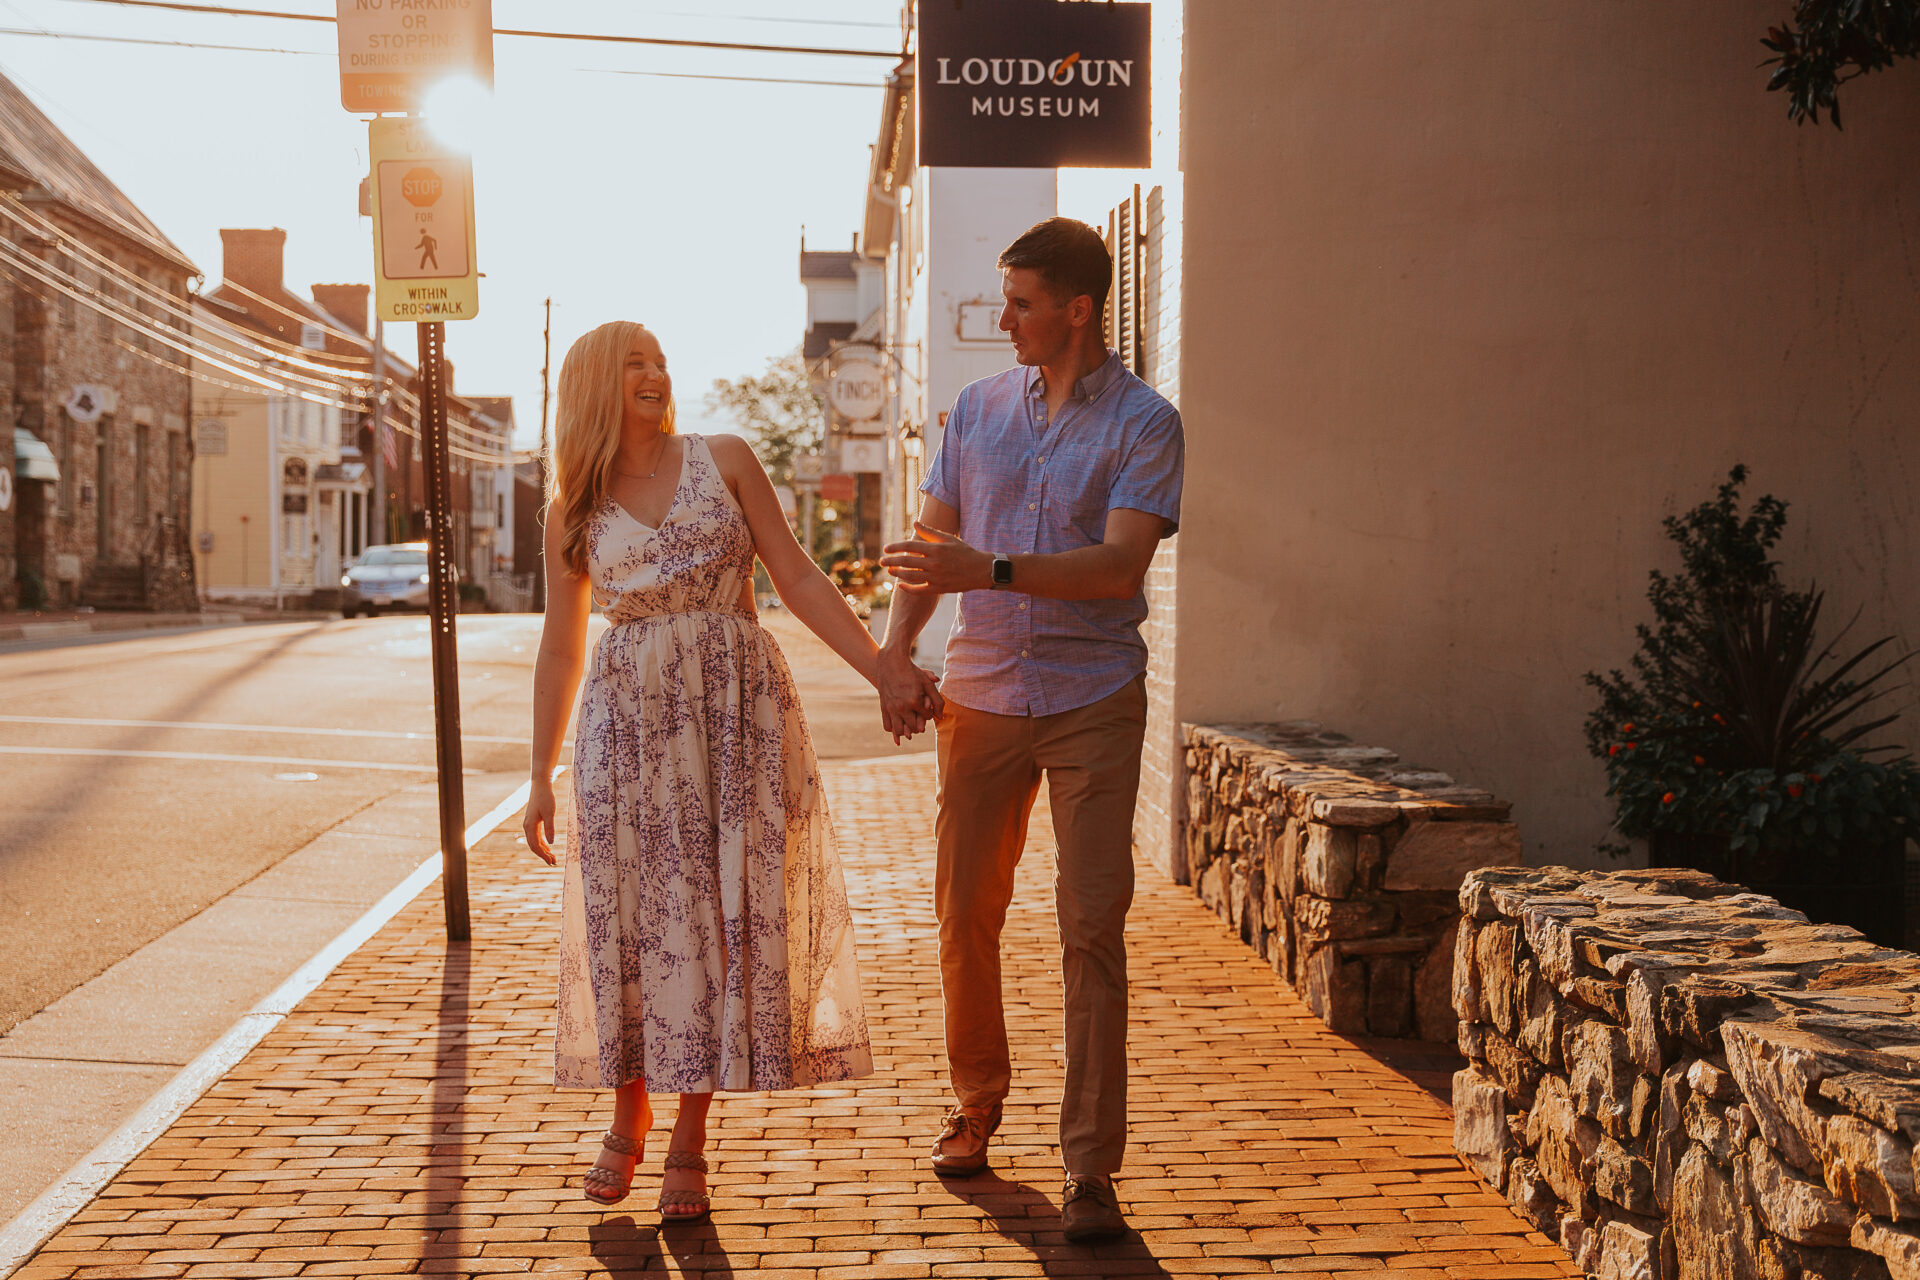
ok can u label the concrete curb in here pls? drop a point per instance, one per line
(37, 1223)
(87, 626)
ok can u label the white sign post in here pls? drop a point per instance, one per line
(393, 51)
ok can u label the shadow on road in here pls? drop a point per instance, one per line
(1029, 1218)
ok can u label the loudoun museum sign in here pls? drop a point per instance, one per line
(1034, 84)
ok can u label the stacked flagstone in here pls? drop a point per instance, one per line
(1681, 1080)
(1340, 865)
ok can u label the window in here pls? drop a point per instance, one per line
(140, 509)
(68, 307)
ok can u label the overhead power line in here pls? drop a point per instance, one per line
(180, 6)
(328, 53)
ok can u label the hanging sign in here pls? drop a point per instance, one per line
(1034, 84)
(857, 389)
(423, 262)
(85, 403)
(393, 51)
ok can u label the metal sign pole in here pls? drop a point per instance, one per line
(444, 605)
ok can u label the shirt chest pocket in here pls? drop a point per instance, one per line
(1078, 480)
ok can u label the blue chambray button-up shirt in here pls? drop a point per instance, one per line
(1024, 485)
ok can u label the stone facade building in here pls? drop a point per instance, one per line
(93, 314)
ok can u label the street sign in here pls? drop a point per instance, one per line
(423, 261)
(393, 51)
(863, 455)
(838, 487)
(808, 467)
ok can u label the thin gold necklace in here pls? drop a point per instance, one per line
(658, 458)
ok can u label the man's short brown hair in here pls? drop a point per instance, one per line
(1070, 256)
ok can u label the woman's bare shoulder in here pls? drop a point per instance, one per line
(734, 456)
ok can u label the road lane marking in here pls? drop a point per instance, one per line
(92, 723)
(52, 1209)
(217, 758)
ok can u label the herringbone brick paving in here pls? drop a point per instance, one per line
(402, 1119)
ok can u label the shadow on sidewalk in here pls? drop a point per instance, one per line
(1029, 1218)
(627, 1248)
(447, 1169)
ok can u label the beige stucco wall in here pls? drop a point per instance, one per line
(229, 486)
(1475, 294)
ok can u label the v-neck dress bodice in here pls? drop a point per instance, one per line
(706, 942)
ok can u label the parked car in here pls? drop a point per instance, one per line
(391, 576)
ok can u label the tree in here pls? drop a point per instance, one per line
(782, 418)
(1829, 42)
(777, 410)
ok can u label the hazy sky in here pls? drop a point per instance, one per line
(675, 202)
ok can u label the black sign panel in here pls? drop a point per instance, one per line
(1034, 84)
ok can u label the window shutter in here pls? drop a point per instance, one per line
(1126, 241)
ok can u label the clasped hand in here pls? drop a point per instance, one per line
(909, 696)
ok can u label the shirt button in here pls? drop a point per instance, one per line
(1023, 653)
(1043, 459)
(1023, 606)
(1033, 506)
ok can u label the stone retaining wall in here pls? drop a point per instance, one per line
(1679, 1080)
(1340, 865)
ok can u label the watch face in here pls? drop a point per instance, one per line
(1002, 570)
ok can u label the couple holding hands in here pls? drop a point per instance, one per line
(706, 941)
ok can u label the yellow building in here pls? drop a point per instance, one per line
(278, 507)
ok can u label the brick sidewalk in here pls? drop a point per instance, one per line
(402, 1119)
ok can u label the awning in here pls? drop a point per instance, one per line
(32, 460)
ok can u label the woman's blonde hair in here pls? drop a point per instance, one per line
(586, 431)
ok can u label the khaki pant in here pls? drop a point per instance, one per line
(990, 769)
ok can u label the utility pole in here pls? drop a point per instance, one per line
(540, 558)
(379, 516)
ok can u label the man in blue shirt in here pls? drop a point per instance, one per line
(1054, 485)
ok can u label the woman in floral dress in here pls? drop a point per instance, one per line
(705, 940)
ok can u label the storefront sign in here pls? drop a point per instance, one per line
(857, 389)
(1034, 84)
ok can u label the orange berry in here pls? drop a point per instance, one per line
(1667, 798)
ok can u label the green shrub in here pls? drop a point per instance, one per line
(1735, 721)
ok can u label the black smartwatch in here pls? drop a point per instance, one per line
(1003, 571)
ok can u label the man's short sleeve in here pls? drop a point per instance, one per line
(1154, 469)
(942, 481)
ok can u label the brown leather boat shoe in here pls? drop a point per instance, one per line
(1090, 1211)
(961, 1149)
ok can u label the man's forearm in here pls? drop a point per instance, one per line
(1098, 572)
(906, 618)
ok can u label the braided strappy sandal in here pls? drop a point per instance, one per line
(604, 1186)
(700, 1200)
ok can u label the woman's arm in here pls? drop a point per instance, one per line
(556, 677)
(809, 593)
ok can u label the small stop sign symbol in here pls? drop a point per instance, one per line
(421, 187)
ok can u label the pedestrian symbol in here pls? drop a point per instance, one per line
(426, 247)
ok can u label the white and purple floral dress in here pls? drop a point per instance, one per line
(705, 940)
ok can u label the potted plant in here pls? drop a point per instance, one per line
(1736, 743)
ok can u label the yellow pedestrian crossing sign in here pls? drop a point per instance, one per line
(423, 259)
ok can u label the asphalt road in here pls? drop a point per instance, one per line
(143, 779)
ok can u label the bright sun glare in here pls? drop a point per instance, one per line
(458, 111)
